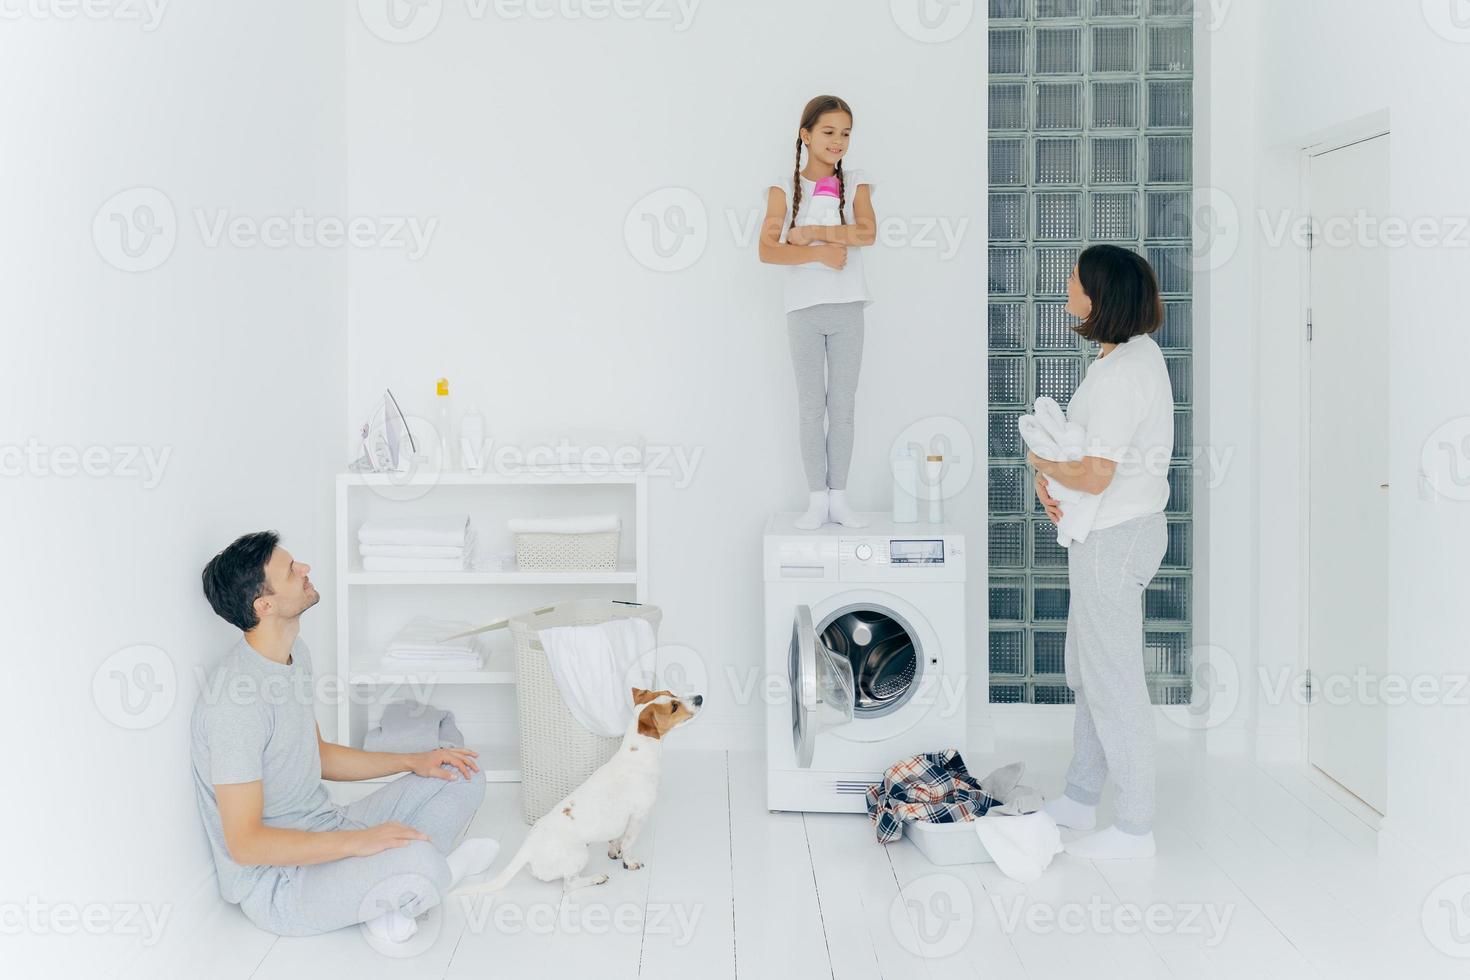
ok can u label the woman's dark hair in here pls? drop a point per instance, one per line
(814, 110)
(1124, 293)
(235, 578)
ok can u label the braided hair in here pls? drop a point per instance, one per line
(814, 110)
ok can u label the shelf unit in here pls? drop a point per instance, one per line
(371, 606)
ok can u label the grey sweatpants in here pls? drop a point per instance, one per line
(827, 351)
(1114, 727)
(307, 899)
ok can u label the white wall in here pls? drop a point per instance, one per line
(229, 359)
(530, 141)
(1322, 66)
(1225, 343)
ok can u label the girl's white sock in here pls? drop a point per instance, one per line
(816, 512)
(841, 511)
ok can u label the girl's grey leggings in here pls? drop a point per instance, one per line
(827, 351)
(1114, 727)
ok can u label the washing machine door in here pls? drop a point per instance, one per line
(822, 696)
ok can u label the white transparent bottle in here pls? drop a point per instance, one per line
(905, 486)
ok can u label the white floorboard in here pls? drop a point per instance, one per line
(1261, 873)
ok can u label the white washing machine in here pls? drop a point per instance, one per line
(865, 641)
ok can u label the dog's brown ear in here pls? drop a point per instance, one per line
(648, 723)
(640, 696)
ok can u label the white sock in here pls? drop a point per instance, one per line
(393, 927)
(1067, 812)
(473, 856)
(816, 512)
(841, 511)
(1112, 843)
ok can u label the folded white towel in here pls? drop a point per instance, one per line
(585, 524)
(1049, 435)
(434, 635)
(594, 668)
(420, 550)
(375, 563)
(449, 530)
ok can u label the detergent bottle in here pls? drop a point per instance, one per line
(823, 208)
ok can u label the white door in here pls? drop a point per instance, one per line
(1347, 354)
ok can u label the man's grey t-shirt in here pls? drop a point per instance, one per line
(255, 720)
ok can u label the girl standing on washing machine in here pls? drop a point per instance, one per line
(1125, 405)
(825, 212)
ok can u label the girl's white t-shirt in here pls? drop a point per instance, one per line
(812, 283)
(1125, 404)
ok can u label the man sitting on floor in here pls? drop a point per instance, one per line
(296, 863)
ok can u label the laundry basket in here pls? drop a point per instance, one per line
(557, 753)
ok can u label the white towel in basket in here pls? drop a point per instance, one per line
(594, 670)
(586, 524)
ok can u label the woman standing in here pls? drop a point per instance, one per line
(1125, 404)
(825, 296)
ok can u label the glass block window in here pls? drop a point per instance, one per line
(1091, 141)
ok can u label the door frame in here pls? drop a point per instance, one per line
(1350, 135)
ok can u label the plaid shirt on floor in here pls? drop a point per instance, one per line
(934, 787)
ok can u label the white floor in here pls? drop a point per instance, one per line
(1259, 874)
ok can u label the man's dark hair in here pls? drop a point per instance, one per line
(235, 578)
(1124, 293)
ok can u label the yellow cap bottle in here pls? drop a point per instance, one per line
(445, 425)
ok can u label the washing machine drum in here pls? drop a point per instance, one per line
(885, 661)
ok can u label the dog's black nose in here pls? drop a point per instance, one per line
(698, 700)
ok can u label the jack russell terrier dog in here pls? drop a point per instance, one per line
(611, 805)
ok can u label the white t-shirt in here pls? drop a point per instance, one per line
(1126, 407)
(812, 282)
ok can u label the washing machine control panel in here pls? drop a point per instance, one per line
(882, 557)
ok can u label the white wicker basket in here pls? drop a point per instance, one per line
(557, 753)
(544, 552)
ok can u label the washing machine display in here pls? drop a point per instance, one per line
(916, 552)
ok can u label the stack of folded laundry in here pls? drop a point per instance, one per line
(424, 644)
(417, 544)
(1049, 435)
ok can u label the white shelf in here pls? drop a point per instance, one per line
(588, 476)
(370, 603)
(622, 575)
